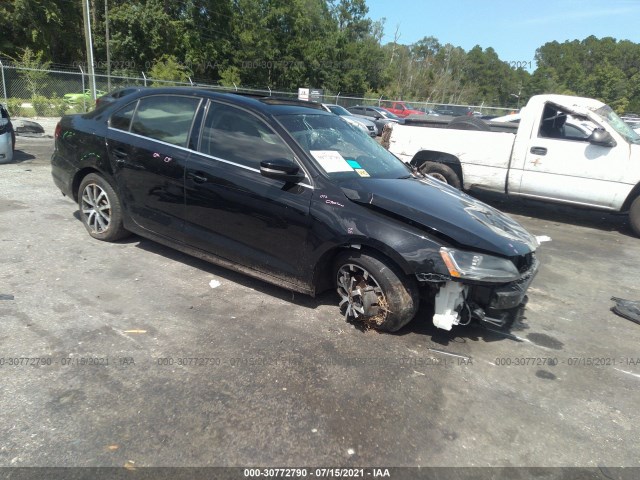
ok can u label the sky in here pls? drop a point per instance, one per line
(515, 29)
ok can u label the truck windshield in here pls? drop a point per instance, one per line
(342, 150)
(618, 124)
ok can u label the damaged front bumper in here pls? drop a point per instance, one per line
(458, 302)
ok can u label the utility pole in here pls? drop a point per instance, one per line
(106, 28)
(89, 44)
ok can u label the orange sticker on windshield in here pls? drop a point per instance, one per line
(362, 172)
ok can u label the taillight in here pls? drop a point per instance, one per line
(58, 130)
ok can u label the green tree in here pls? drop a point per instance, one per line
(33, 70)
(168, 68)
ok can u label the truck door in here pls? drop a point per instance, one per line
(561, 164)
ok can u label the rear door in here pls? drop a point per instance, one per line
(148, 147)
(236, 213)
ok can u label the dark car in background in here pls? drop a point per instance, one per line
(453, 110)
(377, 115)
(291, 194)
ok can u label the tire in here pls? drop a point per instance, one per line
(469, 123)
(105, 222)
(442, 172)
(374, 291)
(634, 216)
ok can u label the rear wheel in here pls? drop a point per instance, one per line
(100, 209)
(374, 291)
(634, 216)
(442, 172)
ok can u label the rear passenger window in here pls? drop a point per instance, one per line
(233, 134)
(167, 118)
(122, 118)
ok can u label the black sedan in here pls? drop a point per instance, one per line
(283, 191)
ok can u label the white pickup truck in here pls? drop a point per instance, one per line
(596, 165)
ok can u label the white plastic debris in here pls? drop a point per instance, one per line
(543, 238)
(214, 283)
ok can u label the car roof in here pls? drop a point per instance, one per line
(261, 103)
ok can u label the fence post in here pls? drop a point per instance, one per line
(337, 98)
(4, 85)
(84, 99)
(145, 78)
(269, 90)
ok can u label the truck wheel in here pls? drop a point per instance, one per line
(442, 172)
(100, 209)
(374, 291)
(469, 123)
(634, 216)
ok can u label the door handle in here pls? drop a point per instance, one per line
(197, 177)
(538, 150)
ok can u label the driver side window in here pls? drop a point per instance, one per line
(236, 135)
(558, 123)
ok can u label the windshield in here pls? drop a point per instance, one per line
(618, 124)
(338, 110)
(342, 150)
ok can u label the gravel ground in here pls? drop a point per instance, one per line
(281, 379)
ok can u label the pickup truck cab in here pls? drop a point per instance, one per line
(540, 159)
(402, 109)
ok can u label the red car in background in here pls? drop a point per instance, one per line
(401, 109)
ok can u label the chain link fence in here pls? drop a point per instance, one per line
(31, 92)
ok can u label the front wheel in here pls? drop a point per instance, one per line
(374, 291)
(634, 216)
(100, 209)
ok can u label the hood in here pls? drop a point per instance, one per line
(444, 211)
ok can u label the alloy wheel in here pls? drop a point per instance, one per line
(96, 208)
(360, 294)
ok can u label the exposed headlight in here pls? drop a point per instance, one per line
(478, 266)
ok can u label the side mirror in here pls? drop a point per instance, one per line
(377, 117)
(281, 169)
(601, 137)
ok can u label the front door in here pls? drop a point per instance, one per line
(561, 164)
(233, 211)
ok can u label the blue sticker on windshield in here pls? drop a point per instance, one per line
(353, 164)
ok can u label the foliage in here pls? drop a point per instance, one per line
(167, 67)
(34, 66)
(57, 107)
(14, 105)
(51, 26)
(41, 105)
(287, 44)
